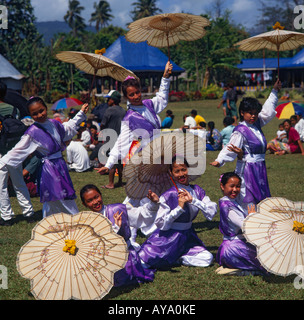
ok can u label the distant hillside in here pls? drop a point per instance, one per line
(49, 28)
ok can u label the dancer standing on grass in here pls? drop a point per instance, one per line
(249, 137)
(141, 114)
(46, 137)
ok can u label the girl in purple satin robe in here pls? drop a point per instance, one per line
(249, 137)
(141, 122)
(46, 138)
(133, 272)
(234, 252)
(175, 240)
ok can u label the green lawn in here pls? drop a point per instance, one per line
(285, 175)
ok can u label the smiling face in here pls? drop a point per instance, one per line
(93, 200)
(38, 112)
(232, 187)
(250, 116)
(134, 96)
(180, 173)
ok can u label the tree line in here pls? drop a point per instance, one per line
(211, 59)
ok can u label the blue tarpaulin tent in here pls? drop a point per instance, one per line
(147, 62)
(139, 57)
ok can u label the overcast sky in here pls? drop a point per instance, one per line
(243, 11)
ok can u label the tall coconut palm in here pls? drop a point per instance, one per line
(73, 18)
(102, 15)
(144, 8)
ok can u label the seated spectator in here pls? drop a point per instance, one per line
(294, 144)
(214, 138)
(92, 121)
(168, 121)
(197, 117)
(84, 135)
(77, 156)
(227, 131)
(297, 122)
(281, 134)
(57, 117)
(285, 96)
(189, 122)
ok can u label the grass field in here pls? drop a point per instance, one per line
(285, 174)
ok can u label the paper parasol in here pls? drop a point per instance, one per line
(276, 40)
(277, 230)
(165, 30)
(95, 64)
(72, 257)
(149, 168)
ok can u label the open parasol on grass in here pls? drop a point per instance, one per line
(149, 168)
(287, 109)
(165, 30)
(276, 40)
(277, 230)
(72, 257)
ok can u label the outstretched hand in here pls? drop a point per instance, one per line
(152, 196)
(102, 170)
(117, 218)
(278, 85)
(85, 107)
(236, 150)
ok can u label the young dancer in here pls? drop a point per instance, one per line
(235, 255)
(249, 137)
(141, 114)
(117, 213)
(46, 138)
(175, 240)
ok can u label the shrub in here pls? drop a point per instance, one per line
(177, 96)
(212, 92)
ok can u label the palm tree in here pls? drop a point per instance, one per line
(144, 8)
(102, 15)
(73, 18)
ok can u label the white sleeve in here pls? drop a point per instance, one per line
(121, 146)
(71, 126)
(236, 220)
(208, 207)
(160, 102)
(85, 138)
(268, 109)
(165, 216)
(20, 152)
(142, 216)
(225, 155)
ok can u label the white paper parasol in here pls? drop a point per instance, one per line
(165, 30)
(95, 64)
(277, 230)
(72, 257)
(149, 168)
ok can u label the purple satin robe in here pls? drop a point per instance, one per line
(164, 247)
(235, 253)
(54, 181)
(133, 272)
(255, 174)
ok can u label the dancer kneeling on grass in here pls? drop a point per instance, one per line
(175, 240)
(235, 255)
(117, 213)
